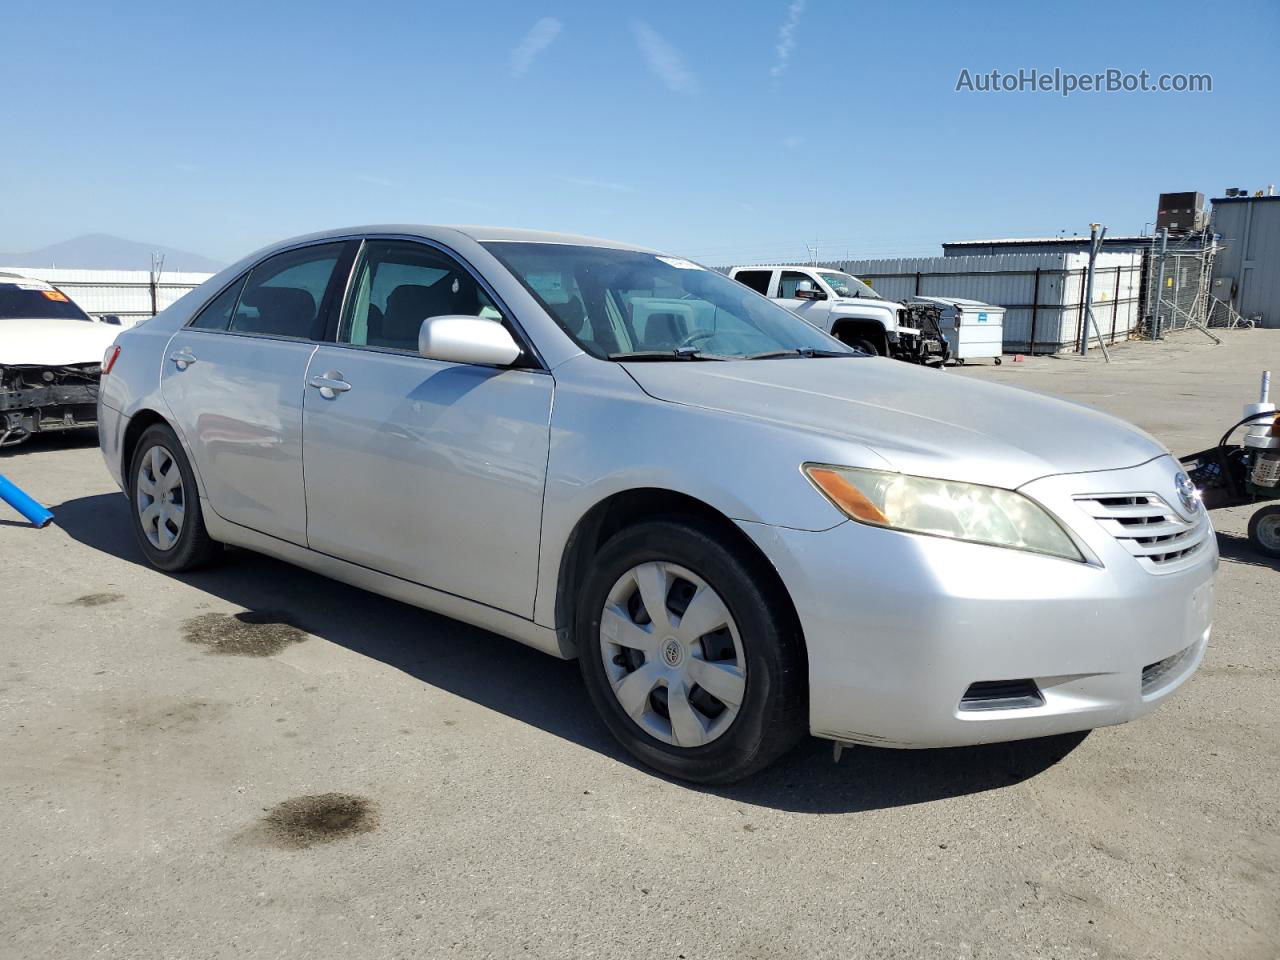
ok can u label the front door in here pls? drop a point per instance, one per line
(234, 379)
(815, 311)
(426, 470)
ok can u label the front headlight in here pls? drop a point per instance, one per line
(943, 508)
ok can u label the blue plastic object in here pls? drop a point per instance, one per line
(15, 498)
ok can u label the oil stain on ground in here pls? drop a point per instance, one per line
(255, 633)
(95, 600)
(306, 821)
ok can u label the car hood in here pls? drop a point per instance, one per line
(866, 302)
(921, 420)
(53, 342)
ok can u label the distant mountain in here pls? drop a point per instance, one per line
(101, 251)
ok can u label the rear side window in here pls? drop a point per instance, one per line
(217, 314)
(757, 280)
(284, 294)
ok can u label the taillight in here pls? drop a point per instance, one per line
(109, 359)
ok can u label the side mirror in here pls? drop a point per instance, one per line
(112, 319)
(457, 339)
(805, 290)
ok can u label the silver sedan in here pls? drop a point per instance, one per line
(743, 530)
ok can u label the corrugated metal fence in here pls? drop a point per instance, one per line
(125, 293)
(1043, 293)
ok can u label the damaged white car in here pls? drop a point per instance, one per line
(50, 360)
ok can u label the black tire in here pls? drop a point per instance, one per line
(193, 547)
(999, 361)
(773, 716)
(865, 345)
(1265, 541)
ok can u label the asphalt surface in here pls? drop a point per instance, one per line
(254, 761)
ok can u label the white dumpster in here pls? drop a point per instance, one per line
(973, 329)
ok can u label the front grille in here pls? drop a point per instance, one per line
(1155, 674)
(1150, 529)
(1001, 695)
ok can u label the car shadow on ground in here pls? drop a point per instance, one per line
(544, 692)
(1237, 549)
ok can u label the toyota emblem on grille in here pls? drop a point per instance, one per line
(1187, 493)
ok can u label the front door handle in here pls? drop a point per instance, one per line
(329, 385)
(183, 358)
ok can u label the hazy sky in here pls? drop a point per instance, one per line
(720, 131)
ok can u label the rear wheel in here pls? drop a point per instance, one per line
(693, 666)
(1264, 531)
(166, 504)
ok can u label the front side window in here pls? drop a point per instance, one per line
(620, 303)
(284, 294)
(790, 280)
(399, 284)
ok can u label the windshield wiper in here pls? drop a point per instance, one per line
(799, 352)
(683, 353)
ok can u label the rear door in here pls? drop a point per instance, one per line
(426, 470)
(234, 379)
(815, 311)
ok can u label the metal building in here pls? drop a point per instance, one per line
(992, 248)
(1246, 272)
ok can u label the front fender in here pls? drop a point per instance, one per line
(608, 436)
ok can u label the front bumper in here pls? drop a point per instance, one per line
(25, 411)
(899, 627)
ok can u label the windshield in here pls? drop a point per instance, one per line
(620, 302)
(36, 301)
(847, 286)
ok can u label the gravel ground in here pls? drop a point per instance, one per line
(256, 761)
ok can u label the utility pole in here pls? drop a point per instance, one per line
(157, 265)
(1095, 244)
(1155, 314)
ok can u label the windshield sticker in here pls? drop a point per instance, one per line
(679, 264)
(55, 295)
(32, 285)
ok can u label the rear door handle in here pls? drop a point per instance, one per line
(329, 385)
(183, 358)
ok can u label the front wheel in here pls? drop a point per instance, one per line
(166, 504)
(1264, 531)
(693, 666)
(866, 346)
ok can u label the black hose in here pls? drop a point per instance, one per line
(1253, 416)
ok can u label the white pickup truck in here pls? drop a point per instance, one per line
(850, 311)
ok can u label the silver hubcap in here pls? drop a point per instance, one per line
(672, 654)
(1269, 532)
(161, 501)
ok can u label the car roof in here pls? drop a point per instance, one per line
(477, 233)
(789, 266)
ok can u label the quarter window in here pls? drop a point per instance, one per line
(217, 313)
(398, 285)
(284, 294)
